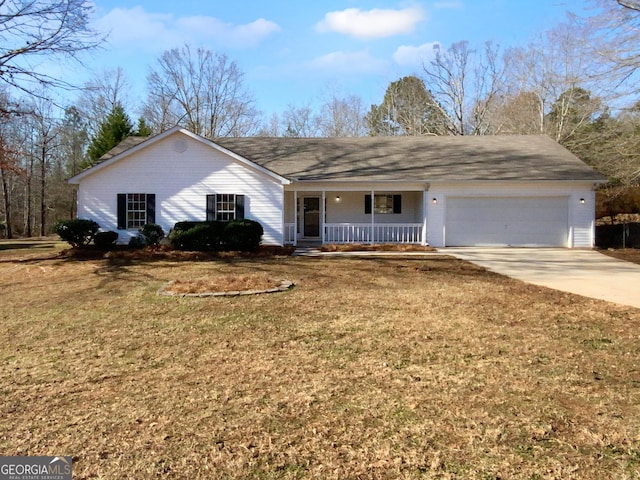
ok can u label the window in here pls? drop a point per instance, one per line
(223, 207)
(136, 210)
(383, 204)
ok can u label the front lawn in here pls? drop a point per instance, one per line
(367, 368)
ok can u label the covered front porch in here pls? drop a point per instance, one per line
(356, 215)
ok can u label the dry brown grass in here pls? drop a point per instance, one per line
(381, 247)
(370, 368)
(31, 248)
(224, 283)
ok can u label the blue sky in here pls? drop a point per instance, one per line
(301, 51)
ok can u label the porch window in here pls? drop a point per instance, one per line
(223, 207)
(136, 210)
(383, 204)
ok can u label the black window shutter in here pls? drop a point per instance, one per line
(239, 207)
(151, 208)
(397, 204)
(211, 207)
(367, 204)
(122, 211)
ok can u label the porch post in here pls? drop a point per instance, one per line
(323, 217)
(373, 220)
(295, 218)
(425, 205)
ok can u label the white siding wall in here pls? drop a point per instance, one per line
(350, 208)
(581, 216)
(181, 181)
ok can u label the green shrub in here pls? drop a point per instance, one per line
(152, 233)
(77, 232)
(137, 241)
(243, 235)
(105, 240)
(198, 236)
(184, 226)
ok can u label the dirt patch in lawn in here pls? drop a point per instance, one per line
(376, 368)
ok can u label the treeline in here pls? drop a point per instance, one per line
(575, 83)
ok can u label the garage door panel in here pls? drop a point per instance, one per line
(486, 221)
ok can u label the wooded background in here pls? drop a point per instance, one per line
(576, 82)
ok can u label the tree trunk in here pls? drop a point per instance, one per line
(7, 203)
(74, 203)
(43, 184)
(28, 201)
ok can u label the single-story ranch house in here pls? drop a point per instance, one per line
(441, 191)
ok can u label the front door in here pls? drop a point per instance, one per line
(311, 217)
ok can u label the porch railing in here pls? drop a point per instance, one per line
(376, 233)
(289, 233)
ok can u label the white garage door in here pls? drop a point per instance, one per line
(518, 221)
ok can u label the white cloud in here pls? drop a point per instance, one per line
(415, 56)
(138, 28)
(348, 63)
(376, 23)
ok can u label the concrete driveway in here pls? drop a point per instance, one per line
(584, 272)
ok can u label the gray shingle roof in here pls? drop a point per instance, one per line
(429, 158)
(123, 146)
(517, 157)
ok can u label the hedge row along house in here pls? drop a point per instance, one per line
(440, 191)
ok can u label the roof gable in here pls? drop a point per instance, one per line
(131, 145)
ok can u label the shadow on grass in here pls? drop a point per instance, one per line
(25, 246)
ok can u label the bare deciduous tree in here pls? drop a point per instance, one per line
(613, 39)
(202, 91)
(10, 169)
(101, 94)
(300, 122)
(44, 151)
(516, 113)
(37, 28)
(465, 84)
(556, 70)
(271, 127)
(343, 117)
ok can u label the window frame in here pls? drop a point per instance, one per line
(383, 204)
(135, 209)
(224, 207)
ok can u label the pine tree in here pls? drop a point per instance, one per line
(115, 128)
(143, 129)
